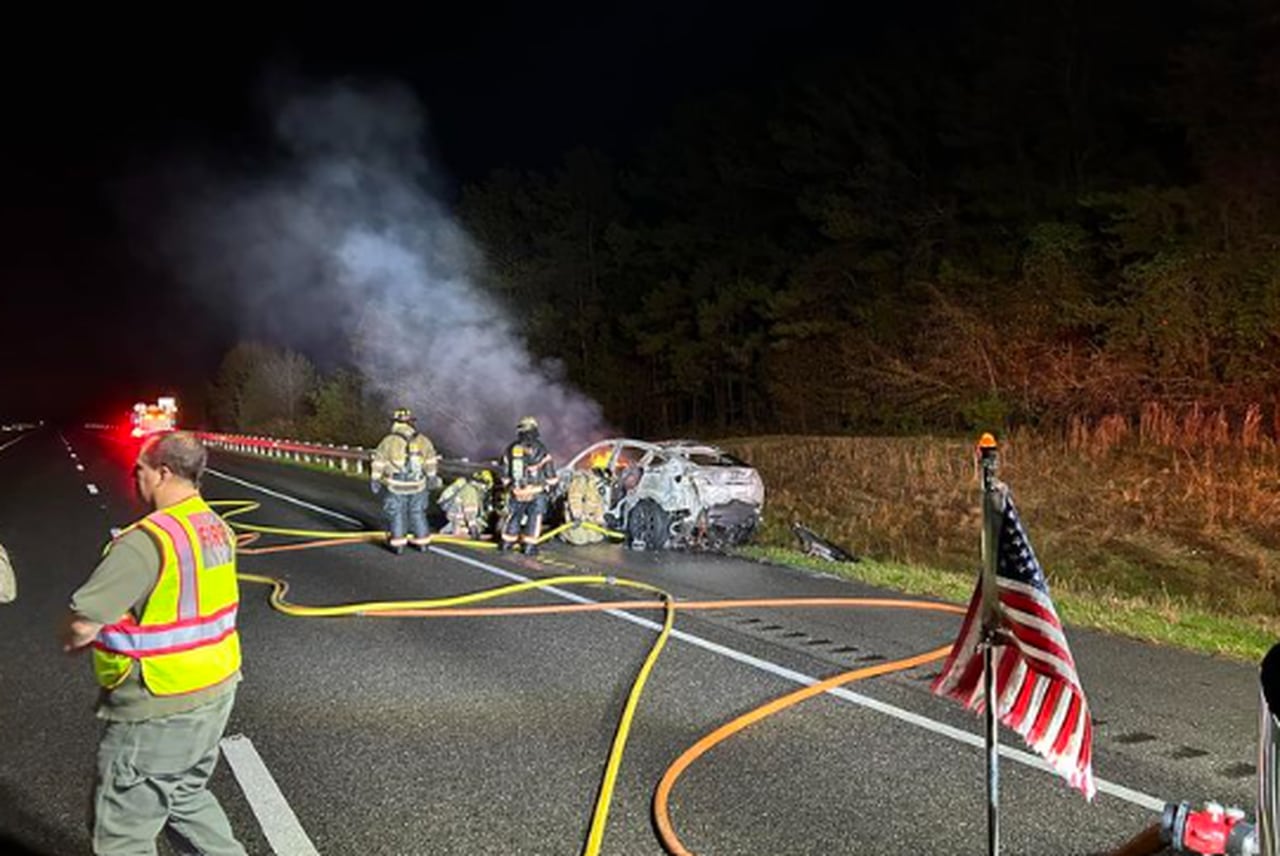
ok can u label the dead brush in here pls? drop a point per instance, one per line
(1183, 507)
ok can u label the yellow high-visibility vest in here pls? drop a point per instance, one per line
(186, 639)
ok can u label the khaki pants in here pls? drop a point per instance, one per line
(153, 776)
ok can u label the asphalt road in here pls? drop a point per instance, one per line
(489, 735)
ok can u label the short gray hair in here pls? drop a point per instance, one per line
(180, 451)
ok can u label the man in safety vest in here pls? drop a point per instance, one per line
(159, 612)
(404, 466)
(527, 474)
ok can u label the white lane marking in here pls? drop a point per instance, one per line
(80, 467)
(941, 728)
(270, 492)
(279, 824)
(16, 439)
(92, 488)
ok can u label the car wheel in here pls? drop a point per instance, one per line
(648, 526)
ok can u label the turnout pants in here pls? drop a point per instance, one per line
(152, 776)
(524, 520)
(406, 512)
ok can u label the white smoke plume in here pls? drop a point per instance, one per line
(341, 248)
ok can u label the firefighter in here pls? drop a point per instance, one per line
(527, 475)
(465, 503)
(404, 466)
(585, 503)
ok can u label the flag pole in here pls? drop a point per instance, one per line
(987, 460)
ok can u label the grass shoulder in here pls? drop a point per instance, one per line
(1159, 619)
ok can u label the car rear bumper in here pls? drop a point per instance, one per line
(736, 517)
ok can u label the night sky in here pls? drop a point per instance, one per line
(94, 105)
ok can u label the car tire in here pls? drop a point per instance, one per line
(648, 526)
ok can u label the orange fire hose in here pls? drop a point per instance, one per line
(1148, 842)
(661, 796)
(704, 605)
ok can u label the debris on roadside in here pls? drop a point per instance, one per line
(813, 544)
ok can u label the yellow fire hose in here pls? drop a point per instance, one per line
(581, 524)
(458, 605)
(244, 506)
(278, 601)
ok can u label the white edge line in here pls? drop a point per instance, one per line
(20, 437)
(279, 823)
(92, 488)
(269, 492)
(1136, 797)
(1120, 791)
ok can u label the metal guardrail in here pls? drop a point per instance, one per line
(353, 459)
(348, 459)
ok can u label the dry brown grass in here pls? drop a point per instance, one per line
(1180, 507)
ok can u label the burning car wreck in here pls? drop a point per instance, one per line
(671, 494)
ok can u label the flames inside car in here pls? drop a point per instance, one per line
(672, 494)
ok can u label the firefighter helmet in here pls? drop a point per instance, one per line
(485, 476)
(528, 423)
(402, 414)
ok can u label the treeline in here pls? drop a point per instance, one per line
(1049, 211)
(261, 389)
(1036, 215)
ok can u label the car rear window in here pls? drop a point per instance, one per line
(704, 459)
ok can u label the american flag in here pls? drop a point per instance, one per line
(1037, 689)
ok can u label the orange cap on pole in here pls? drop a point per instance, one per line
(987, 441)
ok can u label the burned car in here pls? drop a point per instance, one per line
(676, 493)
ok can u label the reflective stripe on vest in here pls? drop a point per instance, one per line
(188, 587)
(136, 640)
(185, 639)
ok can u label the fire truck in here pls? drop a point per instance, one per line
(150, 419)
